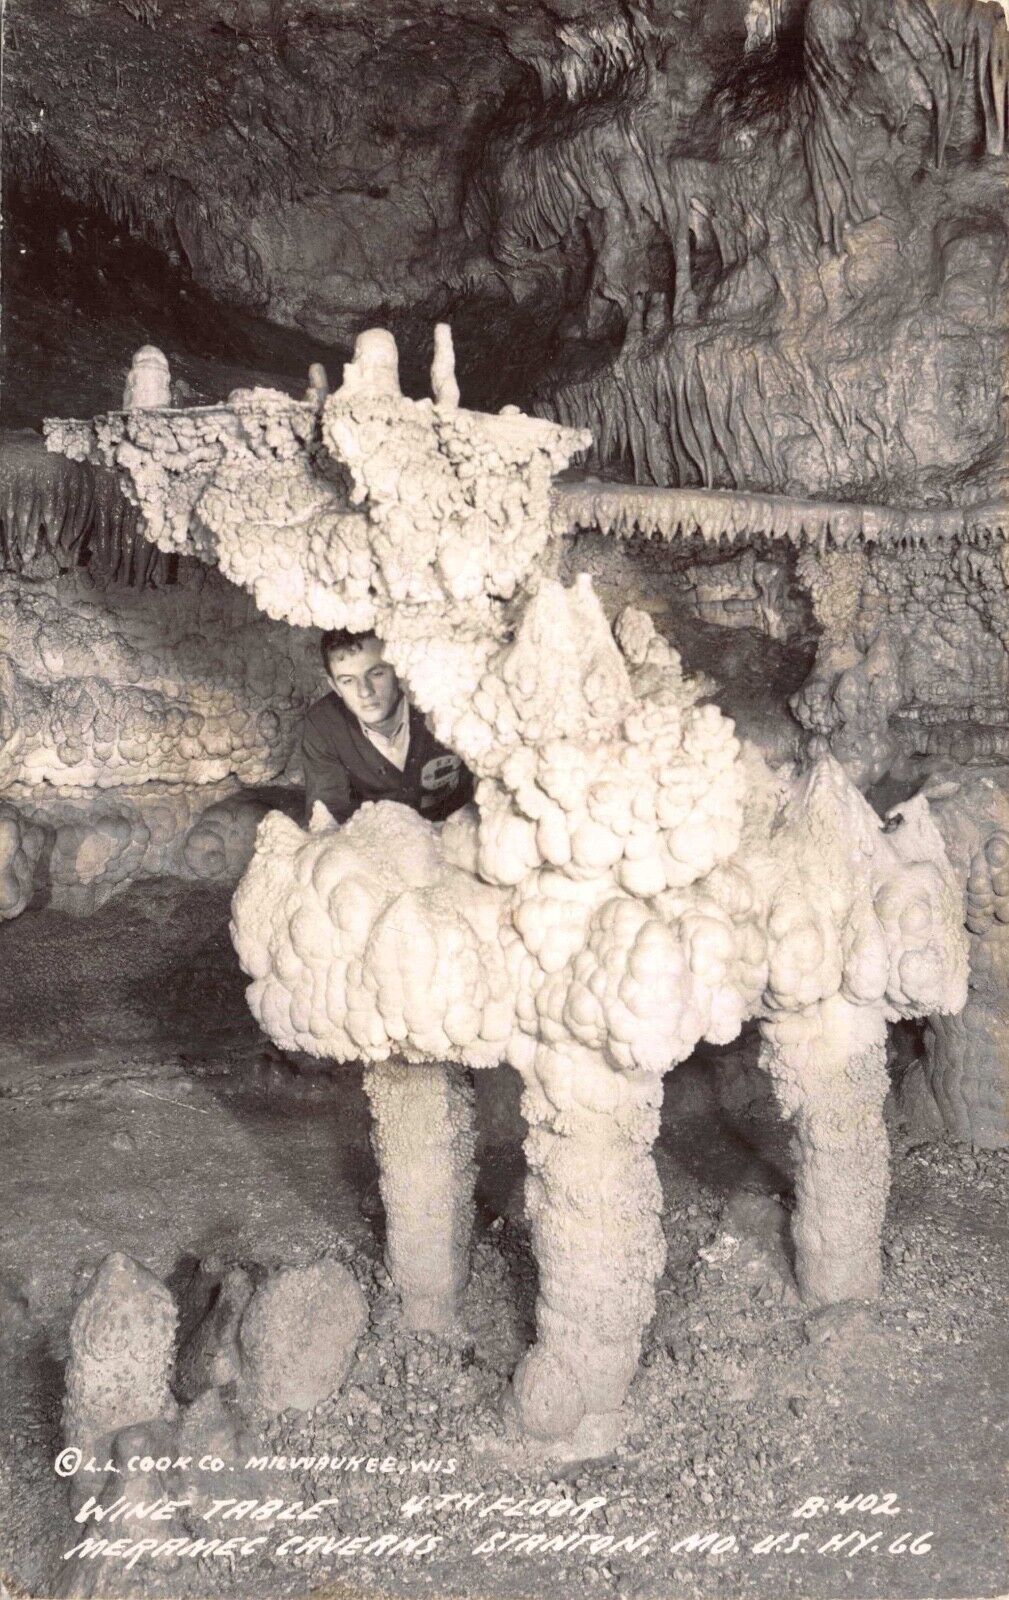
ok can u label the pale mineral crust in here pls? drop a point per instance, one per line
(632, 880)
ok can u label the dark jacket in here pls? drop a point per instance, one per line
(343, 769)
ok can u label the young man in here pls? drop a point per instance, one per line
(365, 741)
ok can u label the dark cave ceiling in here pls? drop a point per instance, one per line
(753, 243)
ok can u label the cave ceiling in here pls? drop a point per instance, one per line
(751, 243)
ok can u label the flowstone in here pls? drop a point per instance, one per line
(632, 880)
(136, 722)
(960, 1087)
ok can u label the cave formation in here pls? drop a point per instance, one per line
(696, 555)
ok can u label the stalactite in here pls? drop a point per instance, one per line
(626, 509)
(146, 212)
(993, 78)
(539, 195)
(71, 513)
(959, 50)
(830, 157)
(590, 60)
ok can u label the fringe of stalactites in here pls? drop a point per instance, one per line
(591, 60)
(960, 47)
(547, 181)
(667, 422)
(960, 51)
(144, 211)
(57, 514)
(158, 209)
(535, 194)
(724, 516)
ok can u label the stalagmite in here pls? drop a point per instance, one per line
(631, 881)
(830, 1064)
(444, 387)
(318, 386)
(148, 383)
(375, 367)
(594, 1204)
(424, 1137)
(960, 1088)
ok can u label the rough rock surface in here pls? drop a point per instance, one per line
(914, 653)
(133, 723)
(122, 1339)
(961, 1085)
(297, 1337)
(209, 1357)
(765, 257)
(182, 685)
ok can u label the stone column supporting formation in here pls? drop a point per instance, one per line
(960, 1087)
(423, 1134)
(829, 1067)
(594, 1203)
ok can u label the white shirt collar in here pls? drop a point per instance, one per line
(394, 746)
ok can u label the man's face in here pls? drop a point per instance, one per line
(365, 683)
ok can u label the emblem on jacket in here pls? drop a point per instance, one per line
(438, 774)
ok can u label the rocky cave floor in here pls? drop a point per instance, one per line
(147, 1115)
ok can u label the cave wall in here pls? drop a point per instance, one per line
(123, 665)
(753, 245)
(806, 277)
(149, 714)
(303, 165)
(104, 688)
(945, 614)
(758, 245)
(882, 633)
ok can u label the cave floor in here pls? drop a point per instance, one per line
(146, 1114)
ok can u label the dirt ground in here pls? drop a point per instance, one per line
(145, 1114)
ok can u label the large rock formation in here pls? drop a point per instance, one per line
(632, 881)
(759, 250)
(752, 246)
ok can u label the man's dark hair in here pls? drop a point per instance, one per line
(341, 641)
